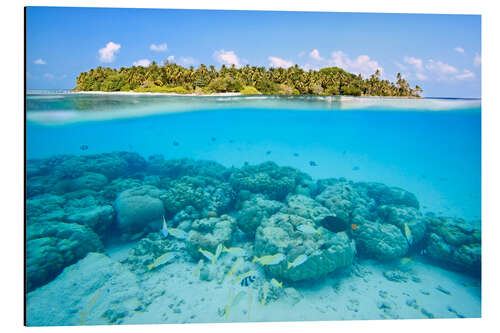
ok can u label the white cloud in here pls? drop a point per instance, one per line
(477, 60)
(440, 67)
(279, 62)
(227, 58)
(107, 53)
(170, 58)
(49, 76)
(188, 61)
(465, 75)
(420, 76)
(401, 66)
(459, 49)
(142, 62)
(363, 64)
(40, 61)
(314, 54)
(159, 47)
(415, 62)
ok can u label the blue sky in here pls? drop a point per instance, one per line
(441, 53)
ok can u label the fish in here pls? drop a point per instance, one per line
(277, 284)
(178, 233)
(312, 163)
(354, 226)
(209, 255)
(268, 152)
(249, 301)
(296, 154)
(175, 143)
(408, 235)
(235, 251)
(162, 260)
(218, 251)
(236, 264)
(334, 224)
(298, 261)
(235, 301)
(270, 259)
(198, 267)
(84, 147)
(94, 298)
(211, 213)
(356, 168)
(307, 229)
(213, 139)
(245, 282)
(231, 141)
(405, 260)
(164, 228)
(265, 290)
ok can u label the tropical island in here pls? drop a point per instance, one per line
(247, 80)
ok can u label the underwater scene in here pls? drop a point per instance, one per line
(156, 209)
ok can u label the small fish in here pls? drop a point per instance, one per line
(237, 299)
(356, 168)
(249, 301)
(245, 282)
(211, 213)
(265, 290)
(268, 152)
(94, 298)
(307, 229)
(354, 226)
(209, 255)
(408, 234)
(198, 267)
(270, 260)
(164, 228)
(236, 264)
(213, 139)
(335, 224)
(218, 251)
(296, 154)
(162, 260)
(175, 143)
(84, 147)
(298, 261)
(178, 233)
(312, 163)
(231, 141)
(343, 153)
(277, 284)
(405, 261)
(235, 251)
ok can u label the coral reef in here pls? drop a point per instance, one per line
(253, 211)
(455, 242)
(51, 246)
(137, 208)
(208, 233)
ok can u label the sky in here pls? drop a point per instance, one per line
(440, 53)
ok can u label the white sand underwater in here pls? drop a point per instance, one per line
(361, 293)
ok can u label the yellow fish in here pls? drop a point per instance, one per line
(408, 234)
(218, 251)
(235, 251)
(277, 284)
(270, 260)
(162, 260)
(198, 267)
(405, 260)
(265, 290)
(237, 299)
(209, 255)
(298, 261)
(238, 262)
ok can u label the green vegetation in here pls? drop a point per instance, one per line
(173, 78)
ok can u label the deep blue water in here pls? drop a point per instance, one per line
(432, 149)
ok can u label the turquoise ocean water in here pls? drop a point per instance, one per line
(430, 147)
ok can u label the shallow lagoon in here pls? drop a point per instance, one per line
(431, 148)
